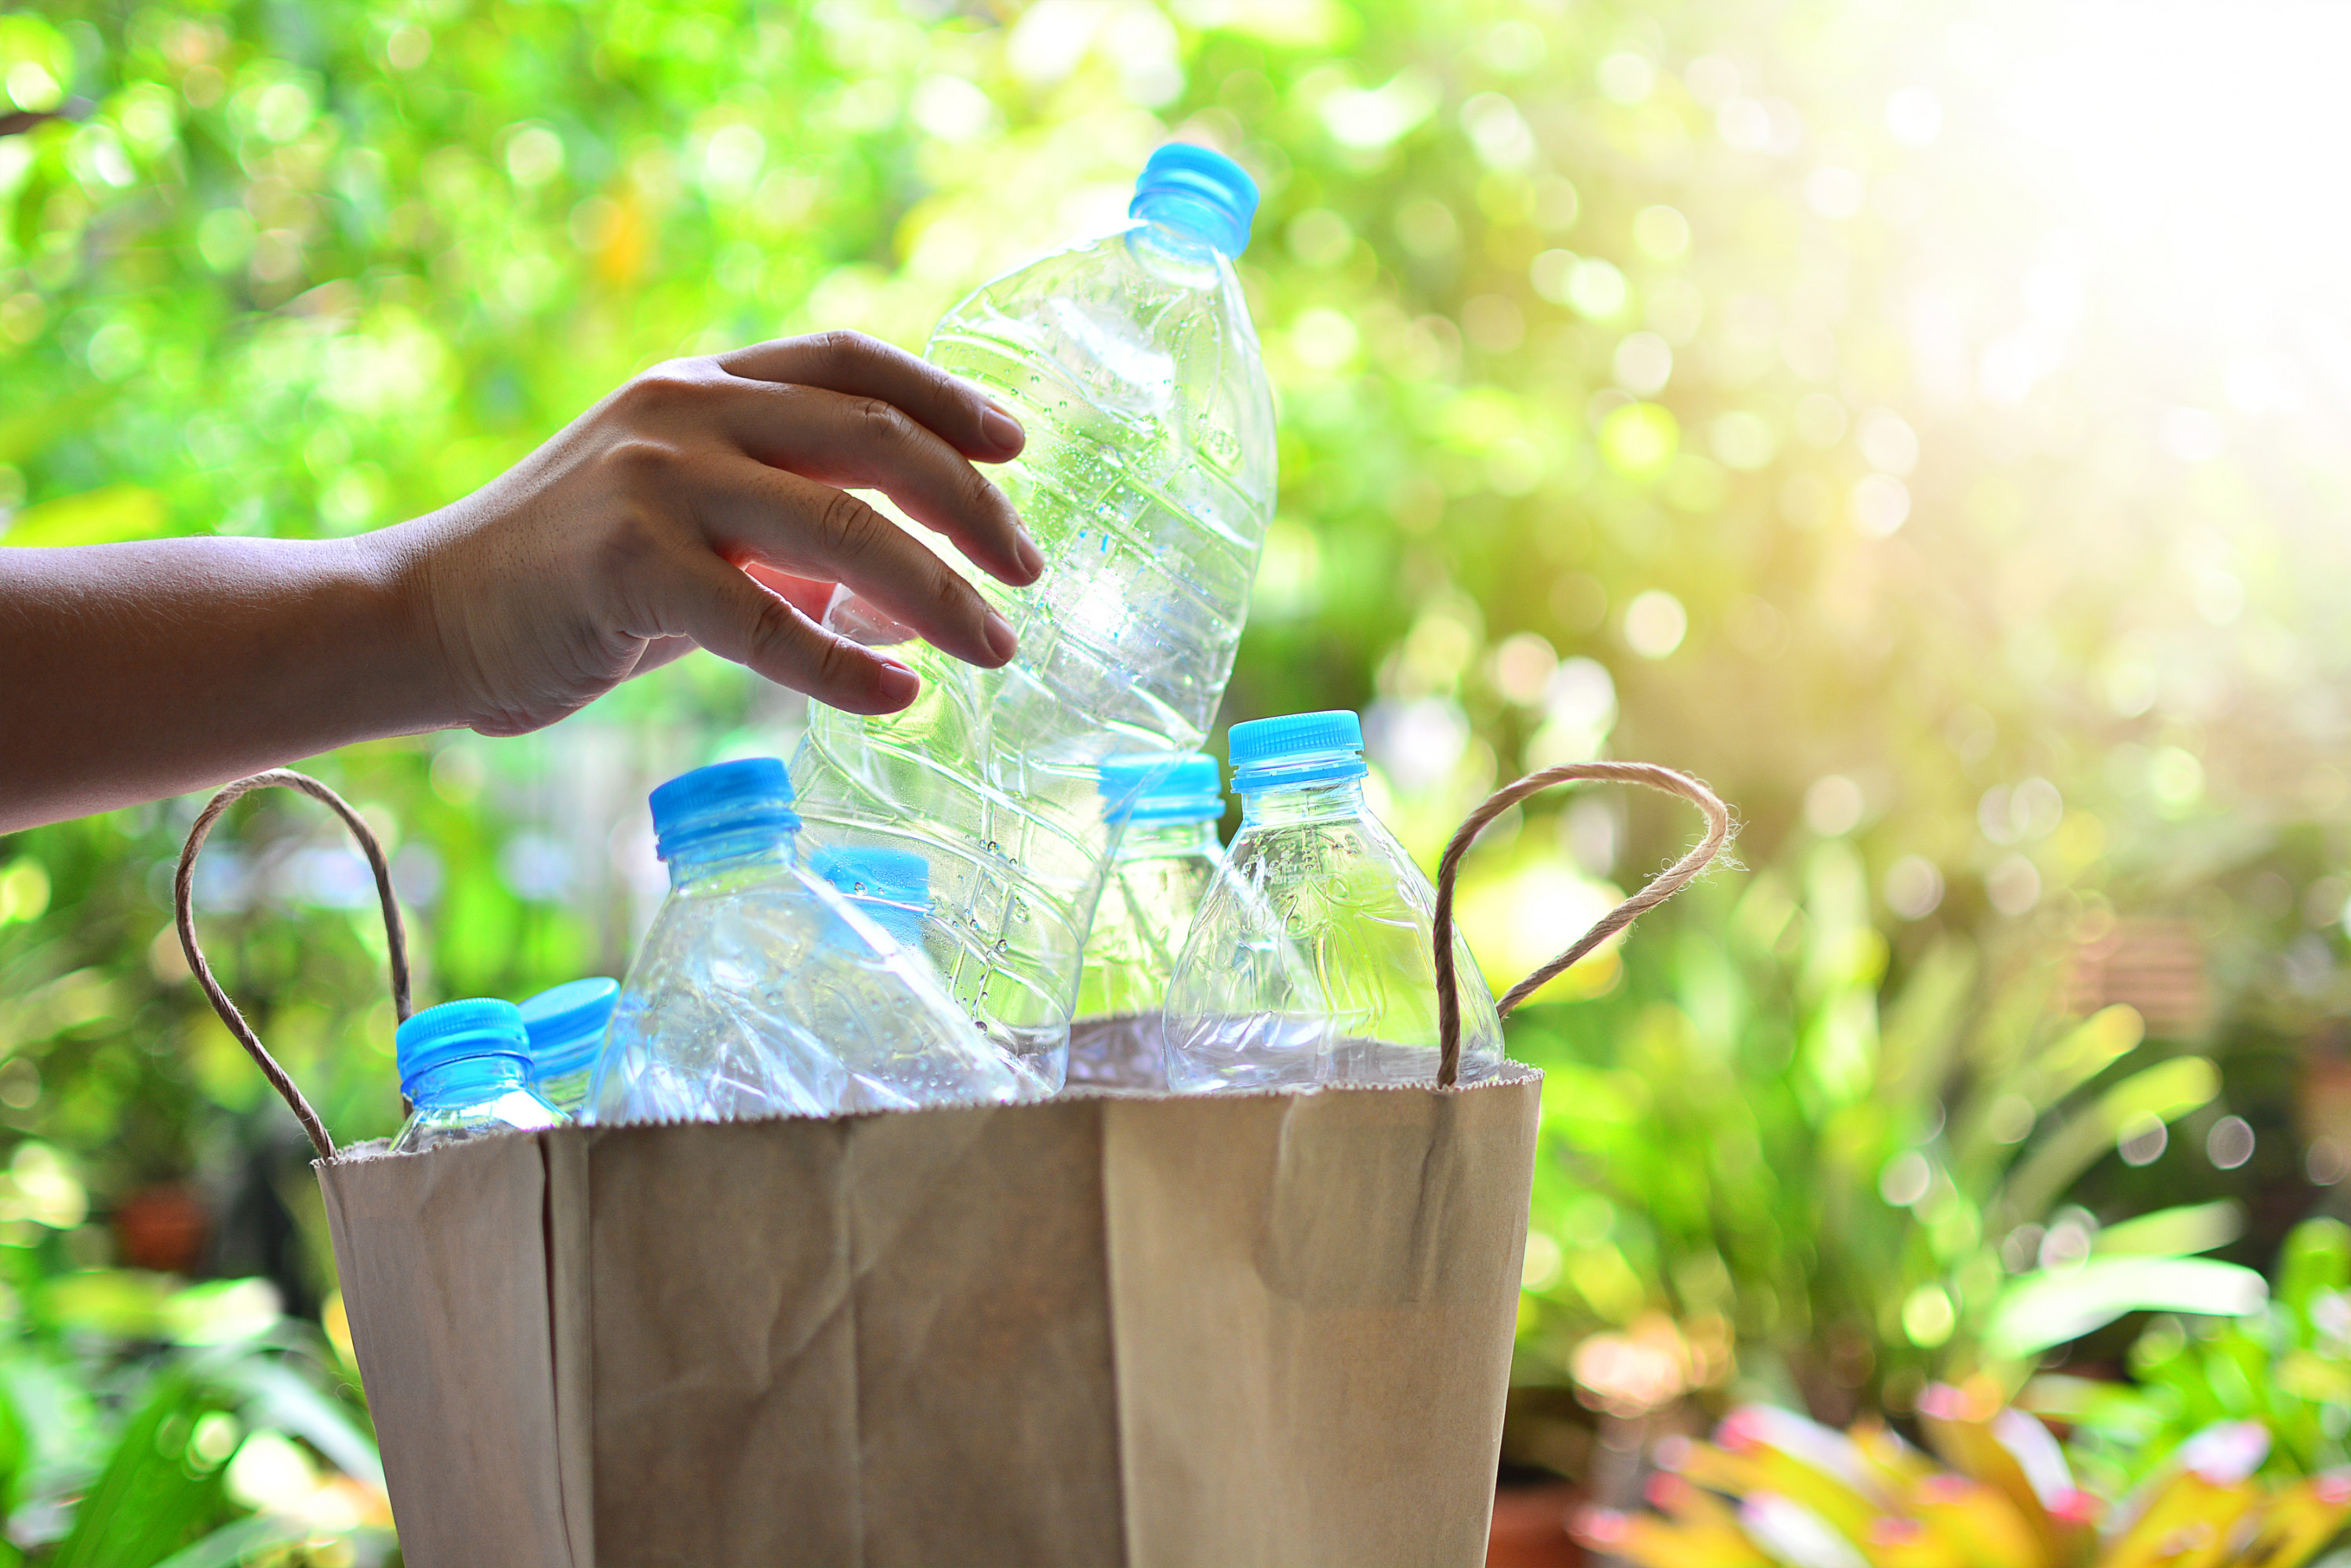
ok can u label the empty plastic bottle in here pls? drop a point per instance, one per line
(567, 1032)
(1147, 482)
(1166, 857)
(1309, 960)
(761, 991)
(465, 1067)
(892, 886)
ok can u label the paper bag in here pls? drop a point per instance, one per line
(1105, 1332)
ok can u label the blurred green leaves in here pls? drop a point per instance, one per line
(100, 517)
(2160, 1093)
(144, 1504)
(2284, 1362)
(143, 1422)
(1864, 1196)
(2051, 1308)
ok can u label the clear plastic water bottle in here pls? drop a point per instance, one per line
(892, 886)
(465, 1067)
(566, 1026)
(761, 991)
(1167, 855)
(1309, 960)
(1147, 481)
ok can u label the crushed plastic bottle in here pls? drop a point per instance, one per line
(1167, 855)
(1147, 482)
(761, 991)
(892, 886)
(566, 1025)
(463, 1066)
(1309, 960)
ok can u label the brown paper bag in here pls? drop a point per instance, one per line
(1155, 1332)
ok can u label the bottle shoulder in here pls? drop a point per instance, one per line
(1092, 327)
(1108, 269)
(1351, 857)
(514, 1111)
(789, 947)
(780, 897)
(1162, 890)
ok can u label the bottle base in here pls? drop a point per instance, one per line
(1238, 1054)
(1118, 1052)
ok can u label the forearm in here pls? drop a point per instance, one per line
(137, 671)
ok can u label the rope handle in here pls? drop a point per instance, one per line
(1667, 883)
(184, 912)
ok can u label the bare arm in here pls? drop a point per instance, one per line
(135, 671)
(129, 672)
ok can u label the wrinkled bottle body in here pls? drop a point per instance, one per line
(1147, 482)
(1157, 880)
(889, 887)
(1311, 958)
(760, 991)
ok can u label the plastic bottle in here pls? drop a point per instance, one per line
(1309, 960)
(464, 1067)
(761, 991)
(1167, 855)
(892, 886)
(566, 1025)
(1147, 482)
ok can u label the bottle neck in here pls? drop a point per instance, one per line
(1280, 804)
(1160, 840)
(468, 1080)
(725, 856)
(1175, 255)
(564, 1091)
(554, 1058)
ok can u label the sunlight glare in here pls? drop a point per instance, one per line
(2202, 145)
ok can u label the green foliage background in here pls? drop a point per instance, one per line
(1656, 381)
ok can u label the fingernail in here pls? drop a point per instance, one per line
(1003, 431)
(898, 683)
(1032, 559)
(1002, 641)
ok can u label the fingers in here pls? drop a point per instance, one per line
(858, 366)
(808, 595)
(720, 607)
(866, 443)
(751, 512)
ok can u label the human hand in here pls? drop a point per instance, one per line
(701, 504)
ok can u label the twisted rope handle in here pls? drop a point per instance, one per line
(1667, 883)
(184, 912)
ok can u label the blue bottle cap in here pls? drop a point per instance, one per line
(743, 797)
(566, 1025)
(1158, 787)
(459, 1031)
(1299, 748)
(1199, 193)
